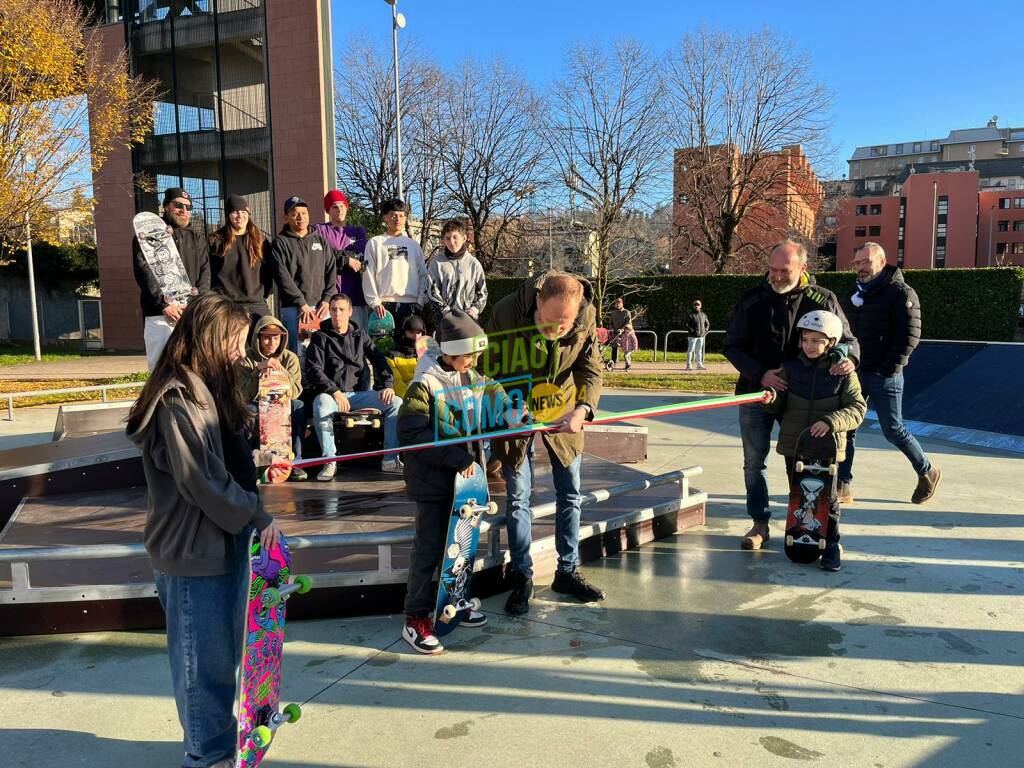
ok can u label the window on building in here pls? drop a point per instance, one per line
(935, 146)
(1020, 148)
(940, 230)
(940, 255)
(943, 205)
(917, 146)
(876, 210)
(874, 231)
(1018, 202)
(901, 233)
(1018, 226)
(1004, 226)
(898, 149)
(862, 210)
(879, 151)
(899, 257)
(1018, 248)
(972, 149)
(1004, 203)
(860, 232)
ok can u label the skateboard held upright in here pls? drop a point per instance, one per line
(812, 492)
(162, 257)
(274, 406)
(472, 500)
(259, 692)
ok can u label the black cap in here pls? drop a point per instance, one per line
(236, 203)
(173, 193)
(394, 204)
(293, 202)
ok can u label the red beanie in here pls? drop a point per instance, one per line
(335, 196)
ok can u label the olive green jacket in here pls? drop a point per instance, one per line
(521, 359)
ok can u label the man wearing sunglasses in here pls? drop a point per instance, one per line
(195, 255)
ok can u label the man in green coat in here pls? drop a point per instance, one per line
(543, 342)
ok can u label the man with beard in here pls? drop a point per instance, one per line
(762, 334)
(195, 255)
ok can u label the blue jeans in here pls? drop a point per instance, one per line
(568, 500)
(204, 642)
(694, 351)
(324, 408)
(756, 435)
(290, 318)
(885, 395)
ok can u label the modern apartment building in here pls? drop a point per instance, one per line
(245, 107)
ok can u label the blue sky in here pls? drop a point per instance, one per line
(900, 70)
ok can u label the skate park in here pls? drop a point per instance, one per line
(702, 653)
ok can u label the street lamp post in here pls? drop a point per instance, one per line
(32, 287)
(397, 23)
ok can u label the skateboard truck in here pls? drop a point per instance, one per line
(451, 610)
(262, 735)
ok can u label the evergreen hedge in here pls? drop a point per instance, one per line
(966, 304)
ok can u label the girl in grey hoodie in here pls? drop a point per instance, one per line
(189, 423)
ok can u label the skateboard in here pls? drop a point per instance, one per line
(162, 257)
(471, 502)
(271, 583)
(381, 330)
(363, 417)
(812, 490)
(274, 406)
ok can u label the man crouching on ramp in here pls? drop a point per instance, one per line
(543, 342)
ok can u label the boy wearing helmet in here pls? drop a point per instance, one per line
(819, 401)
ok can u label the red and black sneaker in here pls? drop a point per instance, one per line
(419, 633)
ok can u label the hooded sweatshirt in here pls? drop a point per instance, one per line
(197, 509)
(457, 281)
(305, 268)
(249, 373)
(335, 362)
(346, 239)
(395, 271)
(233, 277)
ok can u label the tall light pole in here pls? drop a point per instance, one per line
(397, 23)
(32, 287)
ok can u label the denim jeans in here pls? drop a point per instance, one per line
(324, 408)
(568, 499)
(204, 642)
(756, 435)
(694, 351)
(299, 420)
(885, 395)
(290, 318)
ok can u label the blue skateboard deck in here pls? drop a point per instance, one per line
(472, 501)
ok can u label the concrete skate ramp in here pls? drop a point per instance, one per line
(970, 385)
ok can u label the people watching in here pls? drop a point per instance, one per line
(623, 336)
(305, 269)
(336, 359)
(395, 277)
(161, 314)
(404, 355)
(697, 327)
(239, 266)
(455, 278)
(349, 243)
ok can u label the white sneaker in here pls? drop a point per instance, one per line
(420, 635)
(474, 619)
(393, 466)
(327, 472)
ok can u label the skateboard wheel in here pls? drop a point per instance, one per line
(474, 603)
(448, 613)
(789, 541)
(305, 583)
(292, 712)
(350, 423)
(270, 597)
(492, 508)
(832, 469)
(799, 466)
(453, 550)
(375, 424)
(262, 736)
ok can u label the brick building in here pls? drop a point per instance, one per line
(1000, 227)
(225, 70)
(790, 197)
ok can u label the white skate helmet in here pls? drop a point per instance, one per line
(822, 322)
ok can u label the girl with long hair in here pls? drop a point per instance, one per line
(237, 264)
(189, 423)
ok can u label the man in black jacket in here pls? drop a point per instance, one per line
(885, 314)
(195, 255)
(337, 356)
(763, 334)
(697, 327)
(305, 270)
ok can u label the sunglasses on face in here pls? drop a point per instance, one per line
(183, 206)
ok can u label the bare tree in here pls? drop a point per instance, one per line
(607, 140)
(741, 106)
(491, 149)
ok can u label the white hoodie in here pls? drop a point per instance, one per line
(395, 271)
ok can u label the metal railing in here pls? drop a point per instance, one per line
(22, 591)
(667, 335)
(101, 388)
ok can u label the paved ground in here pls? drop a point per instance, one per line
(91, 367)
(703, 655)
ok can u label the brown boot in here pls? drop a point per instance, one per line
(756, 537)
(926, 485)
(845, 493)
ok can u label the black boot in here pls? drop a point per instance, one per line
(831, 558)
(518, 602)
(573, 583)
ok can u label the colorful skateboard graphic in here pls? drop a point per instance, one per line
(162, 258)
(812, 491)
(381, 330)
(472, 500)
(270, 585)
(274, 406)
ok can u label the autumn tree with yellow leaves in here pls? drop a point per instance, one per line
(65, 105)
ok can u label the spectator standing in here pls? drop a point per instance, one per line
(455, 278)
(349, 243)
(697, 327)
(395, 277)
(238, 265)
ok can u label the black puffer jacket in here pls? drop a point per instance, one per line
(337, 362)
(762, 331)
(888, 325)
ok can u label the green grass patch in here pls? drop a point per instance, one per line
(19, 354)
(70, 397)
(682, 382)
(645, 355)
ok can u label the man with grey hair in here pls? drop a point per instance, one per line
(762, 334)
(885, 314)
